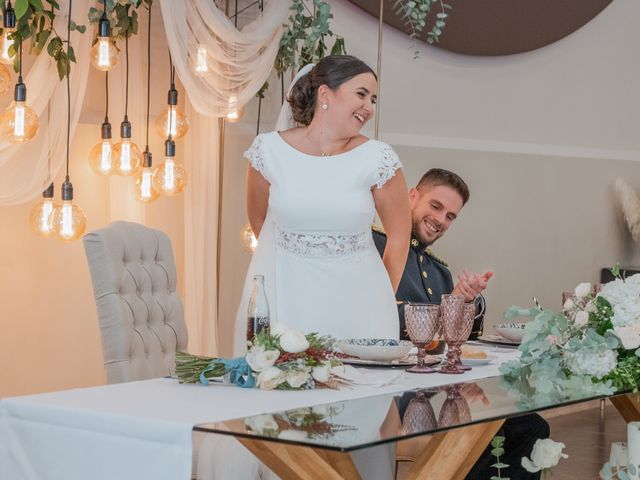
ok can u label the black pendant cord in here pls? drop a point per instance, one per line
(126, 83)
(20, 64)
(106, 94)
(68, 86)
(172, 73)
(148, 76)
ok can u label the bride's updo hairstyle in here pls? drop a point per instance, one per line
(331, 71)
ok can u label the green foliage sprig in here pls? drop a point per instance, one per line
(497, 451)
(304, 40)
(122, 15)
(415, 12)
(35, 23)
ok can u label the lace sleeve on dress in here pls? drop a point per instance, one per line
(255, 155)
(387, 165)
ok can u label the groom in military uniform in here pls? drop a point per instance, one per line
(435, 204)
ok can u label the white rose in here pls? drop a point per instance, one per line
(293, 435)
(590, 307)
(581, 318)
(583, 290)
(297, 378)
(293, 341)
(259, 359)
(322, 372)
(546, 454)
(277, 329)
(261, 423)
(568, 305)
(270, 378)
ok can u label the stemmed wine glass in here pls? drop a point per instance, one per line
(453, 320)
(422, 322)
(469, 313)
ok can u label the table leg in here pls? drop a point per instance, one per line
(302, 463)
(450, 455)
(628, 406)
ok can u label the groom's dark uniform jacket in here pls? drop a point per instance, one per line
(425, 279)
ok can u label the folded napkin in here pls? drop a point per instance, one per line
(373, 378)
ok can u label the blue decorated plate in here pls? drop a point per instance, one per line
(375, 349)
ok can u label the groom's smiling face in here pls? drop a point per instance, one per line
(433, 209)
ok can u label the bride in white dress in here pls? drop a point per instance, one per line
(313, 191)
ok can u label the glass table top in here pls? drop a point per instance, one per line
(365, 422)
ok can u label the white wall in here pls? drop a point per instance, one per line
(538, 136)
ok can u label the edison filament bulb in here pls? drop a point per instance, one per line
(145, 191)
(104, 54)
(19, 123)
(126, 154)
(67, 221)
(201, 67)
(170, 178)
(40, 213)
(100, 157)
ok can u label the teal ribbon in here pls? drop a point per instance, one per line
(238, 370)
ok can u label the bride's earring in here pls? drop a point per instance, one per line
(325, 106)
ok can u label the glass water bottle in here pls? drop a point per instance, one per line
(258, 311)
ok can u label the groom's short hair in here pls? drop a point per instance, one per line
(440, 176)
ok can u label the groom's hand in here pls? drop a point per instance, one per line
(470, 284)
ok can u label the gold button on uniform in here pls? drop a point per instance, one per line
(424, 274)
(430, 291)
(414, 243)
(421, 258)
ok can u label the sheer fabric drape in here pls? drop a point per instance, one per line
(27, 169)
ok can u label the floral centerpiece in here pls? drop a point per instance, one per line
(591, 347)
(282, 358)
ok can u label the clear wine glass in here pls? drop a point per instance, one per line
(422, 322)
(452, 308)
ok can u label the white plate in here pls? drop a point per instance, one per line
(476, 362)
(378, 353)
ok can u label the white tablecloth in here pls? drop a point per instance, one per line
(142, 430)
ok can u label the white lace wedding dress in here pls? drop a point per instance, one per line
(321, 268)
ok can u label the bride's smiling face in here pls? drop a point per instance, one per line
(351, 105)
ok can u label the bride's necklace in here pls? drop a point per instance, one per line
(324, 153)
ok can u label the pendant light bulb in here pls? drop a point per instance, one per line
(126, 155)
(19, 123)
(5, 43)
(248, 240)
(104, 54)
(40, 213)
(170, 178)
(234, 114)
(5, 79)
(8, 27)
(101, 155)
(172, 122)
(145, 191)
(201, 67)
(67, 221)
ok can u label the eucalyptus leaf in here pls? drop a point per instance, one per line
(20, 8)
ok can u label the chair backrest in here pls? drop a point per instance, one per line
(140, 313)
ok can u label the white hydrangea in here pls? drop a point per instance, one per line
(624, 296)
(584, 362)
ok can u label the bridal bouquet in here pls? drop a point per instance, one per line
(283, 358)
(592, 346)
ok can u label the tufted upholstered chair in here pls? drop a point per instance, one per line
(140, 313)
